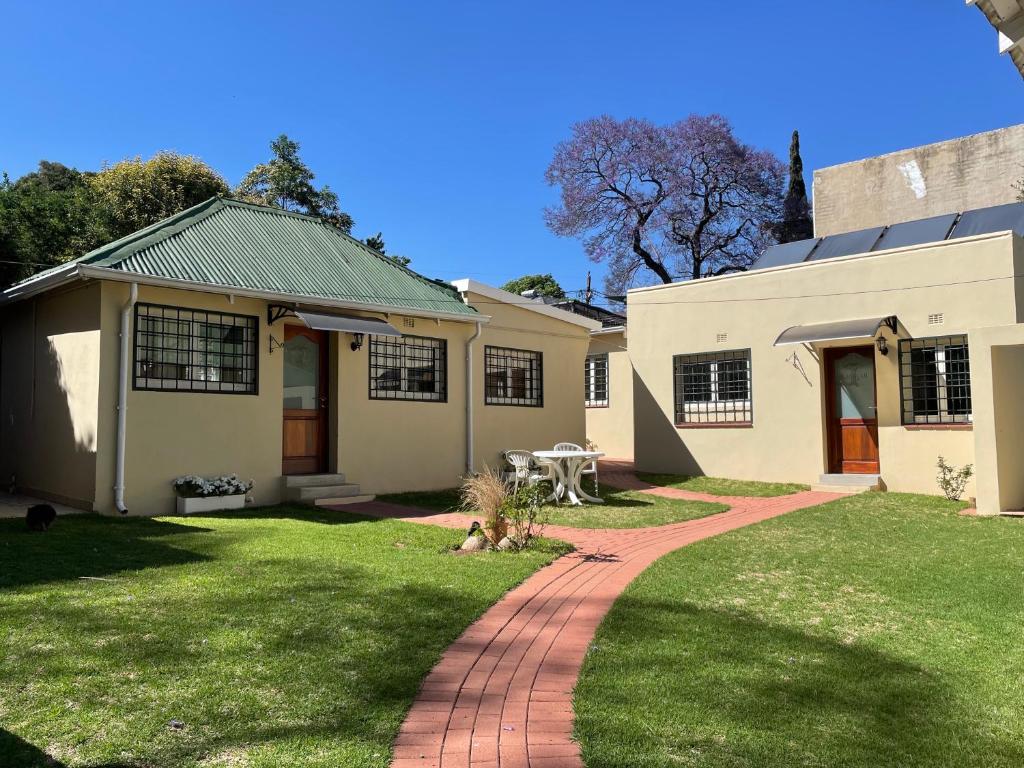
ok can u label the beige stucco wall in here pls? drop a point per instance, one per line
(961, 174)
(969, 281)
(610, 429)
(562, 419)
(382, 445)
(49, 394)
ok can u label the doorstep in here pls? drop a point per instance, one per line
(837, 483)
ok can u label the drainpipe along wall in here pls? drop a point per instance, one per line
(122, 396)
(469, 398)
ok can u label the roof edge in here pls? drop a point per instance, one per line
(468, 285)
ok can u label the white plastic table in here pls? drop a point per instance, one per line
(569, 468)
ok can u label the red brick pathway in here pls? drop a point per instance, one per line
(501, 696)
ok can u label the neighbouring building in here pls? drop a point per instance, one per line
(235, 338)
(1007, 17)
(854, 359)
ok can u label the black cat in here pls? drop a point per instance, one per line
(40, 517)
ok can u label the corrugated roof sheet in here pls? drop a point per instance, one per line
(230, 243)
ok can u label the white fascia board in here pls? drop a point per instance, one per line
(105, 273)
(39, 284)
(467, 285)
(1011, 32)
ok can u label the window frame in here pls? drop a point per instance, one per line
(943, 417)
(715, 407)
(406, 395)
(534, 381)
(590, 377)
(252, 324)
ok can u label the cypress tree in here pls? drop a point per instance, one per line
(796, 221)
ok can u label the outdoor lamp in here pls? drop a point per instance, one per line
(357, 341)
(883, 345)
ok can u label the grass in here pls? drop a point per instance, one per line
(720, 486)
(621, 509)
(881, 629)
(278, 637)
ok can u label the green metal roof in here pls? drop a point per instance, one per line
(234, 244)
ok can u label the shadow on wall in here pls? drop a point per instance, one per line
(658, 445)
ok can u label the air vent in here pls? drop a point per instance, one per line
(408, 322)
(936, 318)
(722, 338)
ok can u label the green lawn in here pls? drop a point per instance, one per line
(277, 637)
(720, 486)
(877, 630)
(621, 509)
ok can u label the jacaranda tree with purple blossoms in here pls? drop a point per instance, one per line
(686, 199)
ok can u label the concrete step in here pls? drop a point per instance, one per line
(341, 500)
(303, 481)
(834, 483)
(308, 494)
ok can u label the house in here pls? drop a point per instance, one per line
(855, 358)
(1007, 17)
(234, 338)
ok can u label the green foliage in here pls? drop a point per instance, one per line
(544, 285)
(525, 512)
(796, 223)
(377, 243)
(951, 480)
(135, 193)
(285, 181)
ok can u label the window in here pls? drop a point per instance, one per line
(513, 377)
(713, 388)
(191, 350)
(408, 368)
(935, 380)
(595, 381)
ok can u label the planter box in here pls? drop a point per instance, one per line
(210, 504)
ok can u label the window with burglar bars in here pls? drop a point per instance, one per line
(408, 368)
(713, 388)
(595, 381)
(191, 350)
(935, 380)
(513, 377)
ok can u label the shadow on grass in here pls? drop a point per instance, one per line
(298, 512)
(88, 546)
(735, 690)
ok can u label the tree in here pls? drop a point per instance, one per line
(650, 200)
(135, 193)
(797, 222)
(377, 243)
(544, 285)
(285, 181)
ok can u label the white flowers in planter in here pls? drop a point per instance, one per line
(207, 494)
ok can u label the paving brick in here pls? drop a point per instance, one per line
(508, 680)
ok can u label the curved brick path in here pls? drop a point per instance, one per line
(502, 693)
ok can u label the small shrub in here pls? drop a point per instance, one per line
(487, 493)
(525, 512)
(952, 481)
(193, 486)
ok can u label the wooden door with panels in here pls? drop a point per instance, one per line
(852, 410)
(304, 449)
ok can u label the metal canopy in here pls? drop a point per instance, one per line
(346, 323)
(864, 328)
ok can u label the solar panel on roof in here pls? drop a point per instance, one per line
(998, 218)
(785, 253)
(931, 230)
(846, 244)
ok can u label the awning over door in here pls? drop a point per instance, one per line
(346, 323)
(865, 328)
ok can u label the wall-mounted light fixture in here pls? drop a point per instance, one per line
(883, 345)
(357, 341)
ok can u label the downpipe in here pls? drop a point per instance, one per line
(469, 398)
(122, 397)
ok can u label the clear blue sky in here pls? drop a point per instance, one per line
(435, 121)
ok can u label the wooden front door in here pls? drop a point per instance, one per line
(305, 401)
(852, 412)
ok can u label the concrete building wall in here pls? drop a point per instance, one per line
(610, 428)
(49, 390)
(961, 174)
(787, 439)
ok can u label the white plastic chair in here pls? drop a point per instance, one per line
(589, 467)
(528, 469)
